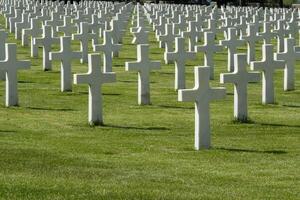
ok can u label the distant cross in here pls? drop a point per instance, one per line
(202, 94)
(68, 28)
(167, 40)
(46, 41)
(65, 55)
(232, 43)
(179, 56)
(240, 78)
(289, 56)
(108, 47)
(84, 37)
(11, 66)
(251, 38)
(193, 35)
(209, 48)
(143, 65)
(140, 36)
(3, 38)
(95, 78)
(267, 34)
(268, 66)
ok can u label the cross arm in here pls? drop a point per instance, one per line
(81, 78)
(254, 77)
(187, 95)
(55, 55)
(228, 78)
(131, 66)
(155, 64)
(24, 64)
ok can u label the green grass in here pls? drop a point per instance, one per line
(48, 150)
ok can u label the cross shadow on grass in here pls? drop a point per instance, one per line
(50, 109)
(249, 121)
(152, 128)
(174, 107)
(291, 106)
(252, 150)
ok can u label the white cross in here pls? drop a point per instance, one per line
(251, 38)
(240, 78)
(289, 56)
(140, 36)
(67, 28)
(232, 43)
(10, 66)
(3, 38)
(65, 55)
(202, 94)
(46, 41)
(268, 66)
(108, 47)
(179, 56)
(209, 48)
(84, 37)
(267, 34)
(95, 78)
(167, 39)
(143, 65)
(193, 35)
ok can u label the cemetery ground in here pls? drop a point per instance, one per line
(48, 150)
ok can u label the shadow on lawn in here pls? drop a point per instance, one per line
(252, 151)
(137, 128)
(268, 124)
(174, 107)
(291, 106)
(50, 109)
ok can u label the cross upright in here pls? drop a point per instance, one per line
(209, 48)
(240, 78)
(95, 78)
(84, 37)
(167, 40)
(140, 36)
(268, 66)
(33, 31)
(65, 55)
(192, 34)
(202, 94)
(107, 47)
(251, 38)
(267, 33)
(143, 65)
(3, 38)
(46, 41)
(11, 66)
(179, 56)
(232, 43)
(67, 28)
(290, 55)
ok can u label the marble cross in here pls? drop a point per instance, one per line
(65, 55)
(46, 41)
(209, 48)
(179, 56)
(289, 56)
(95, 78)
(108, 47)
(193, 35)
(143, 65)
(202, 94)
(3, 38)
(84, 37)
(268, 66)
(232, 43)
(251, 38)
(11, 66)
(240, 78)
(167, 39)
(67, 28)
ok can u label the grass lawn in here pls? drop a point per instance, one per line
(48, 150)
